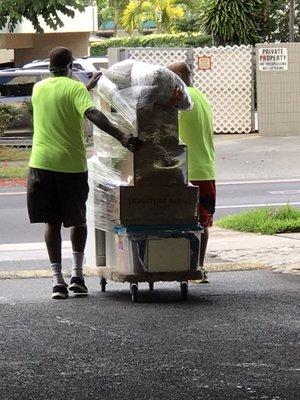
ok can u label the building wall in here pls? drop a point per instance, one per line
(78, 42)
(29, 45)
(86, 21)
(278, 88)
(6, 56)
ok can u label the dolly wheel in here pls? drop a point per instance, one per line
(184, 290)
(103, 284)
(134, 292)
(151, 285)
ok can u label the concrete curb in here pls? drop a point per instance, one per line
(12, 182)
(92, 272)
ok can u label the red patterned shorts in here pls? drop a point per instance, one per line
(207, 202)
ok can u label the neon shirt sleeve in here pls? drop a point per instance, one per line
(82, 99)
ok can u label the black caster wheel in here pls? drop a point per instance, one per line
(184, 290)
(103, 284)
(134, 292)
(151, 285)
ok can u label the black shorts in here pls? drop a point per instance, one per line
(57, 197)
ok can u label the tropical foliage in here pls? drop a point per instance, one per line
(274, 20)
(163, 12)
(229, 21)
(193, 16)
(248, 21)
(111, 10)
(233, 21)
(179, 40)
(8, 113)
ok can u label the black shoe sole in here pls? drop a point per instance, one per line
(59, 296)
(78, 290)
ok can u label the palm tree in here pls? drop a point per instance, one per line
(232, 22)
(163, 12)
(112, 10)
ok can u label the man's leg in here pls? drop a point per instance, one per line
(206, 209)
(203, 246)
(78, 239)
(53, 241)
(53, 244)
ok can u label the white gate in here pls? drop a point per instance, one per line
(224, 74)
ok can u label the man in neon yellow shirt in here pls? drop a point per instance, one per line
(196, 131)
(57, 187)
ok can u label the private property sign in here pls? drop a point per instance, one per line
(273, 59)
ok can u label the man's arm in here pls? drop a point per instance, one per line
(129, 141)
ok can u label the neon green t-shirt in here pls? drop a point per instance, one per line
(59, 104)
(196, 131)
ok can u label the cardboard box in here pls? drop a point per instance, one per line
(140, 205)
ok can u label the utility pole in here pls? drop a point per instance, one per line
(292, 21)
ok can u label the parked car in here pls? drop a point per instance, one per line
(15, 91)
(90, 64)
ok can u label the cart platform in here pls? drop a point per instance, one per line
(179, 276)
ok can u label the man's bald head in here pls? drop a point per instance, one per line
(182, 70)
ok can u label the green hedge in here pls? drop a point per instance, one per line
(180, 40)
(8, 113)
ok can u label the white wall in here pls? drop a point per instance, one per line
(6, 55)
(42, 44)
(86, 21)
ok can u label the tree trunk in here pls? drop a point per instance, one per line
(116, 20)
(292, 21)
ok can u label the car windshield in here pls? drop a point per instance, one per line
(77, 66)
(12, 85)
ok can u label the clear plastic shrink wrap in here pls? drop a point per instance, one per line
(138, 98)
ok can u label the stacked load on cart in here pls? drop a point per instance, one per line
(143, 201)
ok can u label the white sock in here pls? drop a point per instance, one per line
(77, 264)
(57, 277)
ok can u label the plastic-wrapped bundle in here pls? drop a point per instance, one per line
(138, 98)
(103, 199)
(129, 86)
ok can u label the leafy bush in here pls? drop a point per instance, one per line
(265, 221)
(164, 40)
(7, 114)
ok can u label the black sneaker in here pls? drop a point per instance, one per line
(59, 292)
(205, 276)
(77, 286)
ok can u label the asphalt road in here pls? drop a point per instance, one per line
(235, 197)
(256, 157)
(252, 171)
(235, 338)
(232, 197)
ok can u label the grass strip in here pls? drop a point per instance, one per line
(14, 162)
(267, 221)
(8, 154)
(15, 171)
